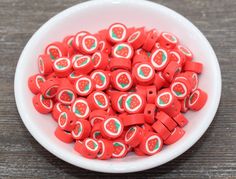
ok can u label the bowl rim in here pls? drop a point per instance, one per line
(86, 164)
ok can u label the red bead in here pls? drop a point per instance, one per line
(180, 88)
(56, 50)
(104, 47)
(137, 38)
(96, 131)
(151, 94)
(63, 136)
(193, 66)
(174, 136)
(140, 58)
(98, 100)
(42, 105)
(120, 149)
(117, 101)
(90, 148)
(81, 129)
(171, 70)
(168, 40)
(151, 144)
(121, 80)
(122, 50)
(80, 108)
(100, 60)
(34, 83)
(117, 32)
(161, 130)
(143, 73)
(185, 51)
(83, 65)
(133, 119)
(159, 59)
(84, 85)
(45, 64)
(76, 43)
(181, 120)
(88, 44)
(197, 99)
(62, 67)
(57, 109)
(166, 120)
(133, 136)
(112, 127)
(66, 93)
(120, 63)
(106, 149)
(150, 40)
(149, 113)
(97, 116)
(49, 87)
(134, 103)
(67, 120)
(174, 109)
(101, 79)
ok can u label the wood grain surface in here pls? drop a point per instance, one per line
(213, 156)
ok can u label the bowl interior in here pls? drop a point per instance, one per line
(93, 16)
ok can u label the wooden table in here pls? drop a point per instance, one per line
(213, 156)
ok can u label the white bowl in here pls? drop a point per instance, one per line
(95, 15)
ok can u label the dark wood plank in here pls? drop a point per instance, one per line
(213, 156)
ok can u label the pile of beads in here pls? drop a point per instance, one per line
(119, 90)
